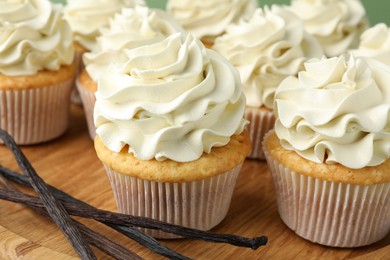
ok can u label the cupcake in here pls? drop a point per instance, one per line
(132, 27)
(170, 132)
(375, 43)
(330, 152)
(265, 49)
(208, 19)
(86, 18)
(36, 70)
(336, 24)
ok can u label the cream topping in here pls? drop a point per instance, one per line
(375, 43)
(266, 49)
(33, 37)
(86, 17)
(210, 18)
(337, 24)
(132, 28)
(169, 100)
(336, 111)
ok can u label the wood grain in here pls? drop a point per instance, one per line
(15, 246)
(70, 164)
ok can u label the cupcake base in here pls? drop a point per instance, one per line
(199, 204)
(261, 121)
(88, 99)
(194, 194)
(35, 114)
(330, 213)
(75, 95)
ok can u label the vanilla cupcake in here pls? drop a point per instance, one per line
(36, 70)
(265, 49)
(131, 28)
(208, 19)
(375, 43)
(336, 24)
(86, 18)
(330, 153)
(170, 133)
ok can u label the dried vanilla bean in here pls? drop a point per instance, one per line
(106, 245)
(103, 243)
(131, 232)
(122, 219)
(54, 208)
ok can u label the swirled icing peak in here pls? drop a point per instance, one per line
(33, 37)
(133, 27)
(337, 24)
(266, 49)
(375, 43)
(337, 111)
(86, 17)
(170, 100)
(210, 18)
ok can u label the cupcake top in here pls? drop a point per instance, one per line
(170, 100)
(33, 37)
(131, 28)
(86, 17)
(336, 111)
(266, 49)
(375, 43)
(337, 24)
(210, 18)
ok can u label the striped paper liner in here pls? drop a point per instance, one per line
(261, 121)
(75, 96)
(330, 213)
(199, 204)
(36, 115)
(88, 99)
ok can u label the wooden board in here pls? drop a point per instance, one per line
(70, 164)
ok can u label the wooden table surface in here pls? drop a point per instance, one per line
(70, 164)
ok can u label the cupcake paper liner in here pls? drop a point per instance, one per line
(36, 115)
(330, 213)
(88, 99)
(261, 121)
(75, 96)
(199, 204)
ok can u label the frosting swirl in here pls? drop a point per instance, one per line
(375, 43)
(336, 111)
(169, 100)
(132, 28)
(33, 37)
(210, 18)
(337, 24)
(266, 49)
(86, 17)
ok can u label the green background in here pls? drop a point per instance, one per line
(378, 11)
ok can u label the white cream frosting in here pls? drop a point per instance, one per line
(86, 17)
(33, 37)
(337, 111)
(337, 24)
(131, 28)
(210, 18)
(375, 43)
(169, 100)
(266, 49)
